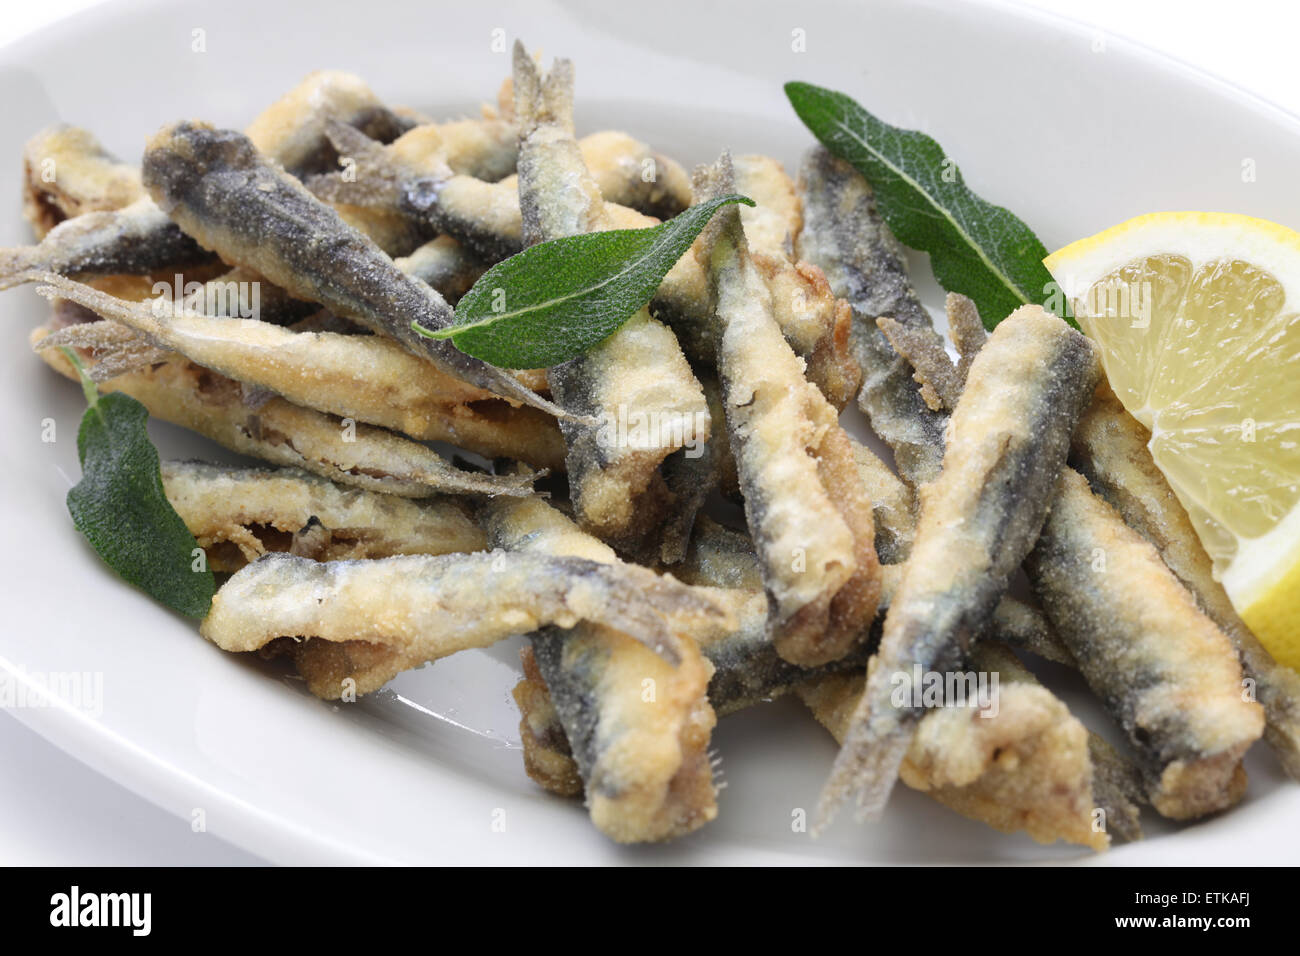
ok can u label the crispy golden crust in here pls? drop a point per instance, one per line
(66, 172)
(807, 510)
(239, 514)
(392, 614)
(1025, 769)
(221, 191)
(547, 757)
(1167, 673)
(1009, 437)
(639, 730)
(618, 490)
(277, 431)
(293, 128)
(366, 378)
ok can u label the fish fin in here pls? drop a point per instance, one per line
(371, 181)
(869, 760)
(17, 265)
(542, 100)
(710, 181)
(934, 370)
(139, 316)
(966, 330)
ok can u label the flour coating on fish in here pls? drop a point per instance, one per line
(1110, 449)
(1166, 672)
(640, 730)
(1009, 437)
(68, 172)
(411, 609)
(139, 238)
(618, 489)
(282, 433)
(844, 235)
(216, 185)
(804, 503)
(363, 378)
(239, 514)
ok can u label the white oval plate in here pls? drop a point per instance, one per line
(1070, 137)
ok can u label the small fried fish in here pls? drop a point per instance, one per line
(1009, 437)
(643, 762)
(67, 172)
(1110, 448)
(366, 378)
(221, 191)
(411, 609)
(1165, 671)
(1028, 768)
(239, 514)
(844, 235)
(139, 238)
(282, 433)
(805, 505)
(619, 491)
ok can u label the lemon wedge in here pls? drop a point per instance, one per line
(1197, 316)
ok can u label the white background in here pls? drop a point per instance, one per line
(57, 812)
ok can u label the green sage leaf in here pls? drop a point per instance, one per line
(120, 506)
(555, 300)
(976, 248)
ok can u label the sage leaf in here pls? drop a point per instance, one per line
(976, 248)
(557, 299)
(120, 507)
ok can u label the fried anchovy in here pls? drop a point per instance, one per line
(482, 148)
(139, 238)
(1110, 448)
(400, 612)
(366, 378)
(66, 172)
(979, 518)
(1165, 670)
(625, 171)
(804, 503)
(277, 431)
(618, 489)
(640, 729)
(487, 220)
(844, 235)
(1023, 769)
(1027, 768)
(1015, 622)
(239, 514)
(856, 252)
(220, 190)
(747, 668)
(747, 671)
(812, 319)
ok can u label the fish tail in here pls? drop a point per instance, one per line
(710, 181)
(18, 265)
(507, 386)
(873, 749)
(542, 100)
(866, 769)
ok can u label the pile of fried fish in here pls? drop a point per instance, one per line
(361, 552)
